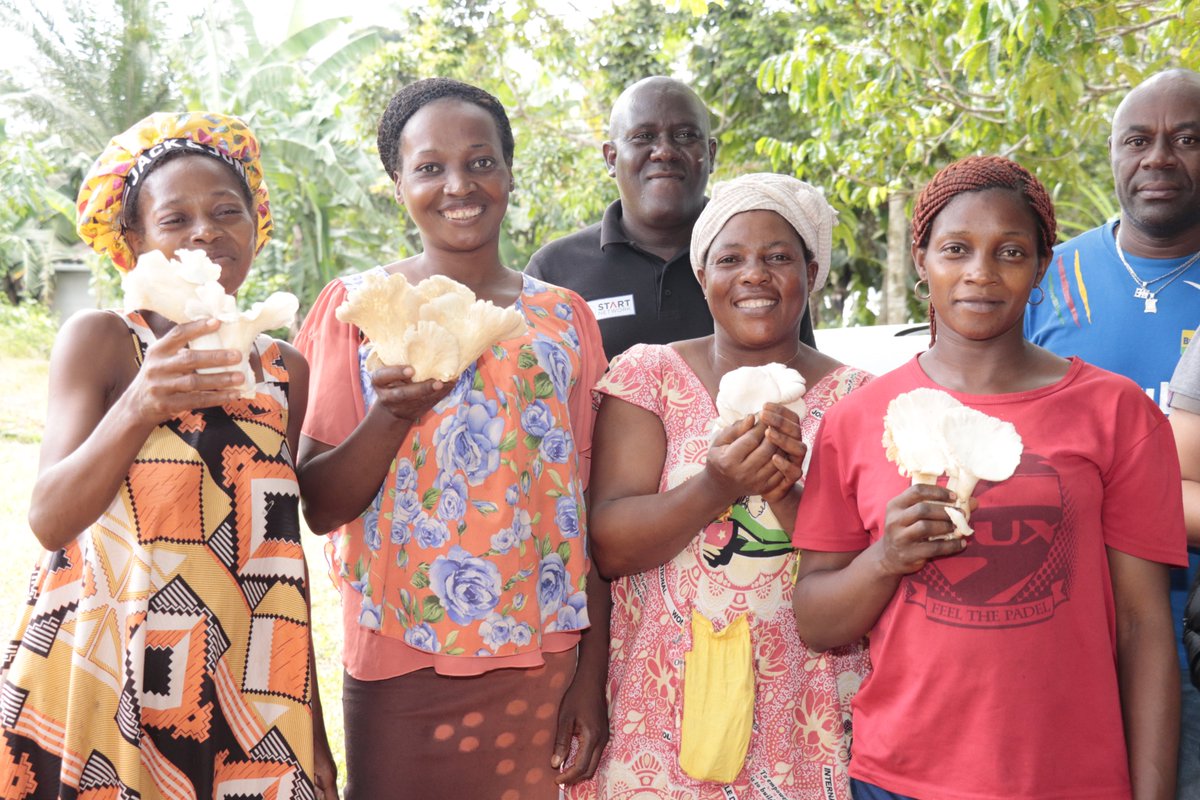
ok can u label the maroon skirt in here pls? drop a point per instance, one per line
(485, 737)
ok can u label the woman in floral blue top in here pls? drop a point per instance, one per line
(458, 506)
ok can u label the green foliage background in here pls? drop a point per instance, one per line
(865, 98)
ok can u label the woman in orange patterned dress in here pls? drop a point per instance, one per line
(461, 543)
(165, 649)
(692, 521)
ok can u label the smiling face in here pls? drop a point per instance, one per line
(981, 263)
(757, 277)
(452, 177)
(196, 203)
(660, 153)
(1155, 152)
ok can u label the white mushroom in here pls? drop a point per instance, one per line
(439, 285)
(186, 288)
(745, 390)
(912, 435)
(166, 286)
(927, 433)
(961, 528)
(438, 327)
(239, 329)
(376, 304)
(447, 309)
(486, 324)
(980, 447)
(432, 351)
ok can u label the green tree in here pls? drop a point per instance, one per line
(863, 97)
(887, 91)
(29, 207)
(96, 69)
(328, 219)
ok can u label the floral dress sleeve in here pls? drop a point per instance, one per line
(636, 376)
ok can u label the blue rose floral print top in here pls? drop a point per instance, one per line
(475, 544)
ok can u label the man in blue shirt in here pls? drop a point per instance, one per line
(1126, 296)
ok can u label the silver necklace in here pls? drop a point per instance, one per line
(1143, 290)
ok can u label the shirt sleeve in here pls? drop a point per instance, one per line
(335, 404)
(1142, 509)
(1185, 383)
(592, 365)
(636, 376)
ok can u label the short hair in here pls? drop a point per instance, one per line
(662, 84)
(415, 96)
(977, 174)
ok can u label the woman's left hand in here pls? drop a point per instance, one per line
(582, 715)
(324, 768)
(783, 431)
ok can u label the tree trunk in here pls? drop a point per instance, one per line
(12, 288)
(895, 271)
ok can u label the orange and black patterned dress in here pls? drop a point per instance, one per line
(164, 652)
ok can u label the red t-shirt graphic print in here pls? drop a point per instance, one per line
(1018, 566)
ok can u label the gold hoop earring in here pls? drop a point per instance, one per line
(917, 294)
(1041, 296)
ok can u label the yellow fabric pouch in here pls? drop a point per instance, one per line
(718, 700)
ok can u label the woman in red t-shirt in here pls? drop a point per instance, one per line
(1033, 659)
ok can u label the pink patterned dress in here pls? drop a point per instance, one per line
(800, 741)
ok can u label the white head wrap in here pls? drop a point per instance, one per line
(800, 203)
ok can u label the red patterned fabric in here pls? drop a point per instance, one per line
(800, 743)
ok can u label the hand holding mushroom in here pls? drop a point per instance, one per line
(927, 433)
(187, 288)
(739, 461)
(791, 453)
(437, 327)
(771, 397)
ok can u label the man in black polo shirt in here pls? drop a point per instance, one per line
(633, 267)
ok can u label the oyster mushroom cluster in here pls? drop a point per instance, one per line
(746, 390)
(927, 433)
(437, 327)
(187, 288)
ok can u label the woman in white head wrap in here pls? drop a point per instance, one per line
(693, 498)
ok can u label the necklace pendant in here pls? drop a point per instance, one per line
(1142, 294)
(1151, 304)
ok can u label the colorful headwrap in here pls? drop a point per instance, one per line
(800, 203)
(129, 155)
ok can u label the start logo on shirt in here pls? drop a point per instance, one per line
(609, 307)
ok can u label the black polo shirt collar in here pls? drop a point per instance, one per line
(611, 233)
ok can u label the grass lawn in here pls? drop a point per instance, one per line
(22, 415)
